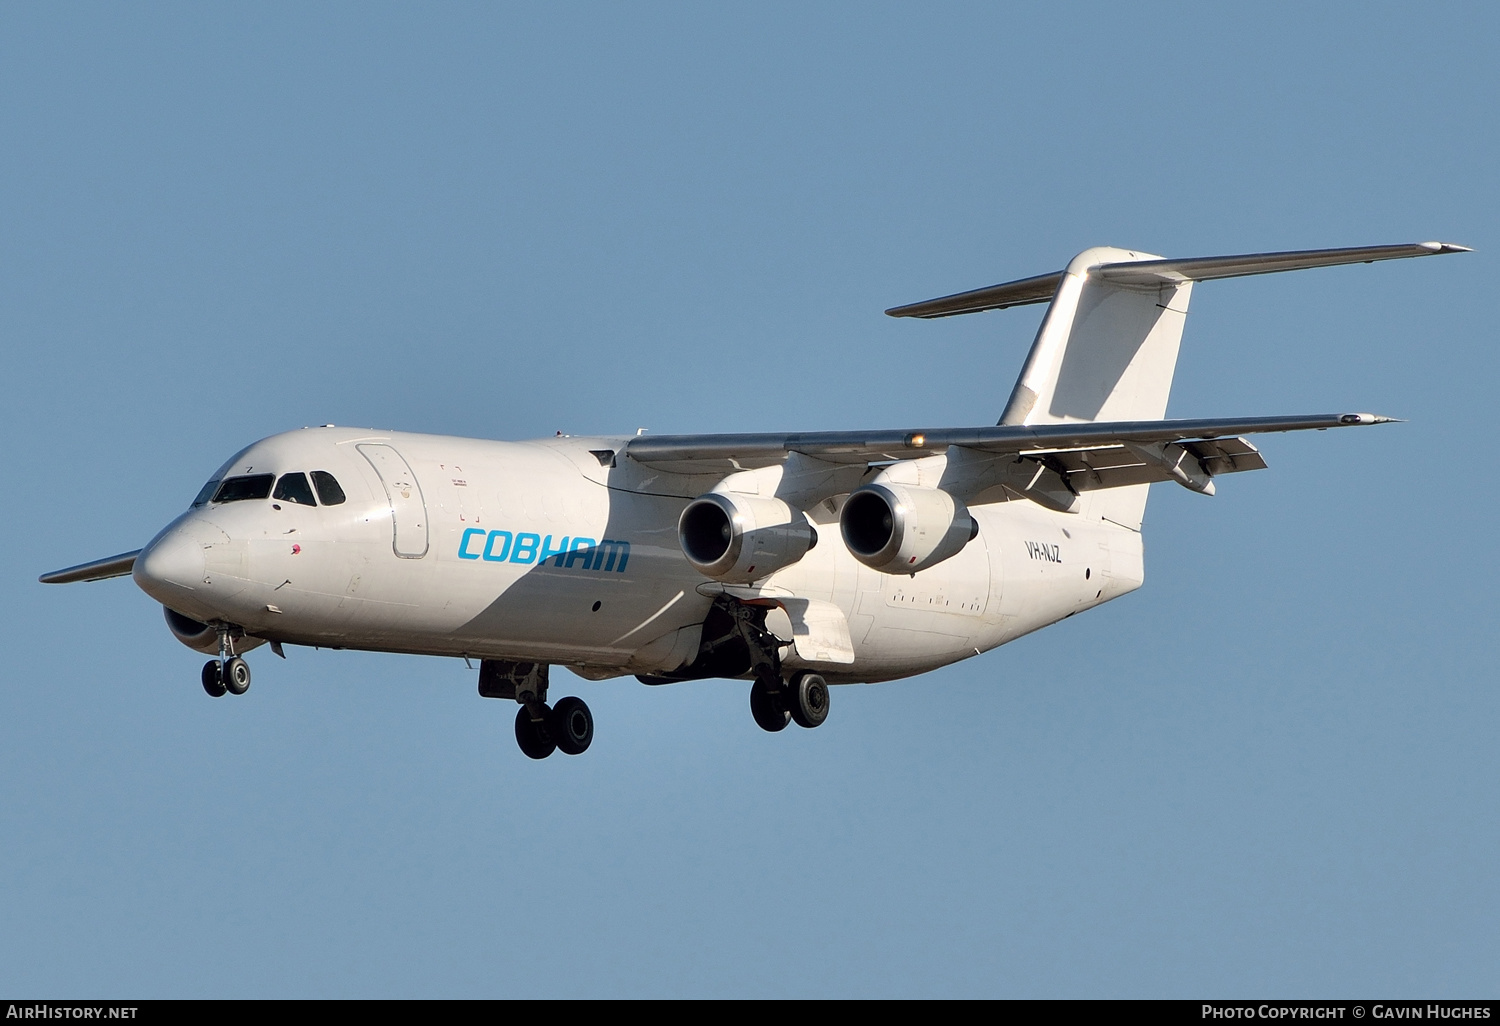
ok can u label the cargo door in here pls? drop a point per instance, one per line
(408, 510)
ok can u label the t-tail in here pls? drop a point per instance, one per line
(1107, 347)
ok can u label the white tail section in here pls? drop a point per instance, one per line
(1105, 350)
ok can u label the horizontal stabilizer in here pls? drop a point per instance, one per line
(1159, 272)
(98, 570)
(1155, 272)
(995, 297)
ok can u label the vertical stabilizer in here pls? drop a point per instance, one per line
(1106, 351)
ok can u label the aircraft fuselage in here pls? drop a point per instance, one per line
(545, 552)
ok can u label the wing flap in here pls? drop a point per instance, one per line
(1116, 466)
(1226, 455)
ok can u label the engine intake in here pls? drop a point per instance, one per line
(898, 529)
(742, 538)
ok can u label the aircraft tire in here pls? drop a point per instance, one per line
(571, 725)
(236, 676)
(534, 740)
(766, 707)
(808, 698)
(213, 679)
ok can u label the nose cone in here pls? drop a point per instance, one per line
(174, 566)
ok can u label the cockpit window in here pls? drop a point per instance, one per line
(205, 493)
(238, 489)
(328, 489)
(294, 488)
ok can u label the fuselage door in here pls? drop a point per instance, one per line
(408, 510)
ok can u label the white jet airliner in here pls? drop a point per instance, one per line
(794, 561)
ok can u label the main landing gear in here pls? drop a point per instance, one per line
(774, 703)
(735, 643)
(567, 727)
(228, 674)
(541, 729)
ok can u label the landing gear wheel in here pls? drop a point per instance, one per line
(571, 725)
(236, 676)
(766, 706)
(533, 738)
(808, 698)
(213, 679)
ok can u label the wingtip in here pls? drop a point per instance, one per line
(1368, 418)
(1445, 247)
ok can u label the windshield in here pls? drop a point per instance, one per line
(328, 488)
(237, 489)
(294, 488)
(205, 493)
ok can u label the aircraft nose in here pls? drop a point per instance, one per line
(174, 562)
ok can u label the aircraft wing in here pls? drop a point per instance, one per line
(710, 454)
(98, 570)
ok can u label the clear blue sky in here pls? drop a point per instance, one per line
(1271, 771)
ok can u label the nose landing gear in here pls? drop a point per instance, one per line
(236, 676)
(228, 674)
(213, 679)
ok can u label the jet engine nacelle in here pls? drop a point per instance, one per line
(742, 538)
(900, 529)
(200, 637)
